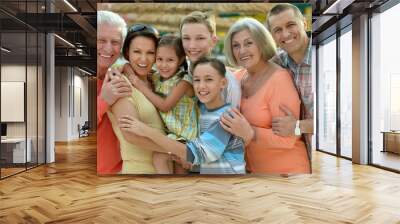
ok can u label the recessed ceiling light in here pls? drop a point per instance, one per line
(5, 50)
(337, 7)
(84, 71)
(71, 6)
(64, 40)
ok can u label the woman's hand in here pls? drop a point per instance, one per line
(130, 124)
(235, 123)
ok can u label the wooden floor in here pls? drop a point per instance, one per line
(69, 191)
(10, 171)
(386, 159)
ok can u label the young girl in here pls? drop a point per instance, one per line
(173, 96)
(215, 150)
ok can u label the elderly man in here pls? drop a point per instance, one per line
(111, 31)
(288, 28)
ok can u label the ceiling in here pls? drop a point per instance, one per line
(23, 23)
(331, 15)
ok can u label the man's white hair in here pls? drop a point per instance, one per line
(111, 18)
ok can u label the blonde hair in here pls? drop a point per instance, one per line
(199, 17)
(261, 36)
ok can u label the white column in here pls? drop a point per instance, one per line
(360, 90)
(50, 94)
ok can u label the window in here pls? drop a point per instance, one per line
(385, 85)
(346, 75)
(22, 67)
(327, 96)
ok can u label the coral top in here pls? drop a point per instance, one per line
(270, 153)
(108, 154)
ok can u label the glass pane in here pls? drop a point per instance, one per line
(346, 94)
(314, 86)
(41, 99)
(31, 97)
(13, 85)
(327, 97)
(385, 89)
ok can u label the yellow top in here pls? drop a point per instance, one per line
(135, 159)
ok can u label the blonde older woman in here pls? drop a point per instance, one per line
(265, 88)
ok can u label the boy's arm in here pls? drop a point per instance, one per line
(210, 145)
(164, 144)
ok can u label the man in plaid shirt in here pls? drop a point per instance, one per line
(287, 26)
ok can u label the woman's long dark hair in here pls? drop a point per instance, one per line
(139, 30)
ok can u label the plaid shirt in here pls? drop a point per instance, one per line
(181, 120)
(303, 81)
(216, 150)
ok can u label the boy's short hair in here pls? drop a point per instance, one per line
(215, 63)
(261, 36)
(279, 8)
(199, 17)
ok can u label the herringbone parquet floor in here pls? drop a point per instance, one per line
(69, 191)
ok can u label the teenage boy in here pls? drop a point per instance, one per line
(198, 33)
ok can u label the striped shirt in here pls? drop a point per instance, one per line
(216, 150)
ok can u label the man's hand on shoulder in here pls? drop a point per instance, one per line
(114, 87)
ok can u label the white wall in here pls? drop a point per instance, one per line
(71, 92)
(61, 104)
(33, 127)
(80, 84)
(15, 73)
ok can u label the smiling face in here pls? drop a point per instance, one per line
(167, 61)
(197, 40)
(245, 50)
(142, 53)
(109, 42)
(208, 84)
(289, 32)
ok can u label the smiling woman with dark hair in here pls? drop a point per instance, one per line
(139, 49)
